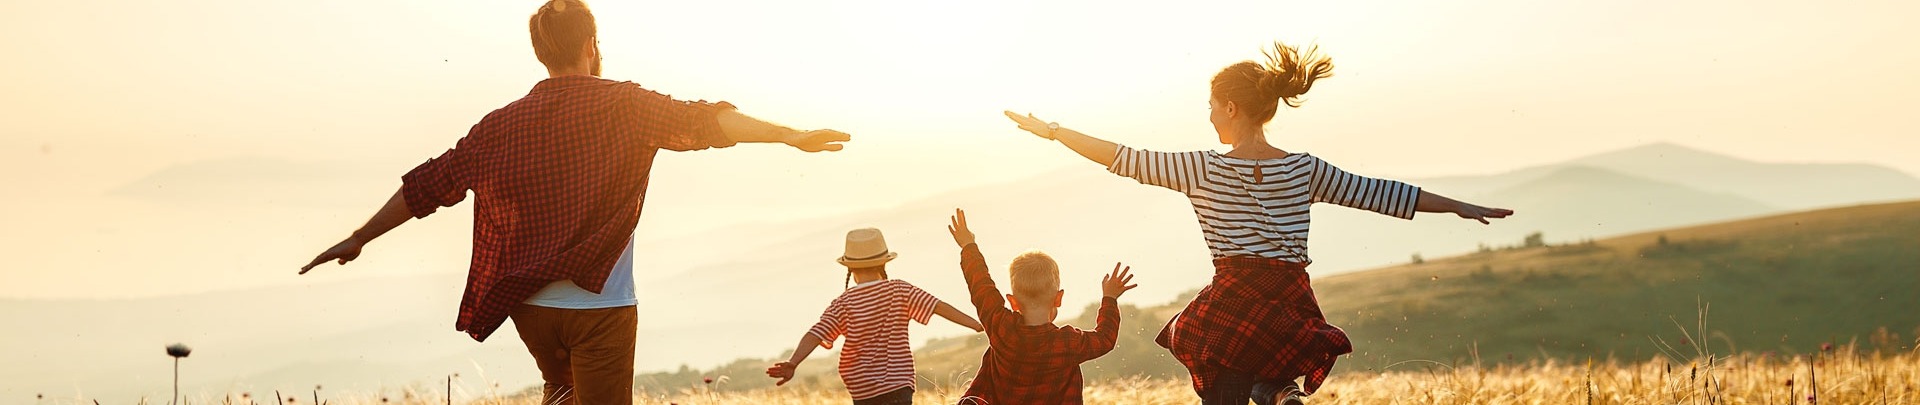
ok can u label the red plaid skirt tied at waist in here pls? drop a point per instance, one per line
(1257, 316)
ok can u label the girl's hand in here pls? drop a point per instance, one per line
(1032, 124)
(1479, 213)
(782, 370)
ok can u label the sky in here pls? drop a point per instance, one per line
(160, 148)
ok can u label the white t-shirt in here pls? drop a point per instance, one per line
(617, 293)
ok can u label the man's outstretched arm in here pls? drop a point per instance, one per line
(747, 129)
(391, 215)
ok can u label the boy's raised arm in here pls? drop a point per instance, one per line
(1107, 325)
(973, 266)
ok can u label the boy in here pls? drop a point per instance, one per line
(1028, 359)
(877, 362)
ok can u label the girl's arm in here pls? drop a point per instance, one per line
(784, 370)
(1430, 202)
(952, 314)
(1094, 149)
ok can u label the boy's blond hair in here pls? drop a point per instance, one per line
(1035, 276)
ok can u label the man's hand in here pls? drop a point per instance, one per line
(961, 235)
(782, 370)
(818, 140)
(1115, 283)
(345, 251)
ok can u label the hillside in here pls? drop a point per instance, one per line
(1785, 283)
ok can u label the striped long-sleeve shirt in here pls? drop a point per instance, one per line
(1259, 207)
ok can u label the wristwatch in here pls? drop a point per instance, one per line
(1053, 131)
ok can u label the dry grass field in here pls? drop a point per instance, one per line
(1839, 376)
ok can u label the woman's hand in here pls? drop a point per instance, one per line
(1094, 149)
(1032, 124)
(1479, 213)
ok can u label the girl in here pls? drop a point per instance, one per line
(1257, 327)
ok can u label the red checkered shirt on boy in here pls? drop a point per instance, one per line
(1030, 364)
(877, 358)
(558, 178)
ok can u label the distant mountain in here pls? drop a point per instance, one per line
(1784, 284)
(1588, 201)
(1567, 202)
(1785, 185)
(248, 181)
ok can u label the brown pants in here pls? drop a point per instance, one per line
(585, 355)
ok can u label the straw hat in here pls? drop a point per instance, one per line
(866, 248)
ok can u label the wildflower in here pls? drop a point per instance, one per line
(708, 380)
(1789, 381)
(178, 350)
(1810, 398)
(1826, 347)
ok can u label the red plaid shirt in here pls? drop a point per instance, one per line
(1257, 316)
(1029, 364)
(559, 177)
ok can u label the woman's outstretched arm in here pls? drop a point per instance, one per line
(1430, 202)
(1094, 149)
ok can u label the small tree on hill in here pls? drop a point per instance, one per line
(1534, 240)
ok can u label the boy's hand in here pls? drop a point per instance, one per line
(1115, 283)
(782, 370)
(961, 235)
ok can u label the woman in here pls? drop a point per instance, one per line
(1257, 327)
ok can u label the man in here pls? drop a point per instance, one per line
(558, 178)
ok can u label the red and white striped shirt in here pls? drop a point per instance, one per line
(877, 358)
